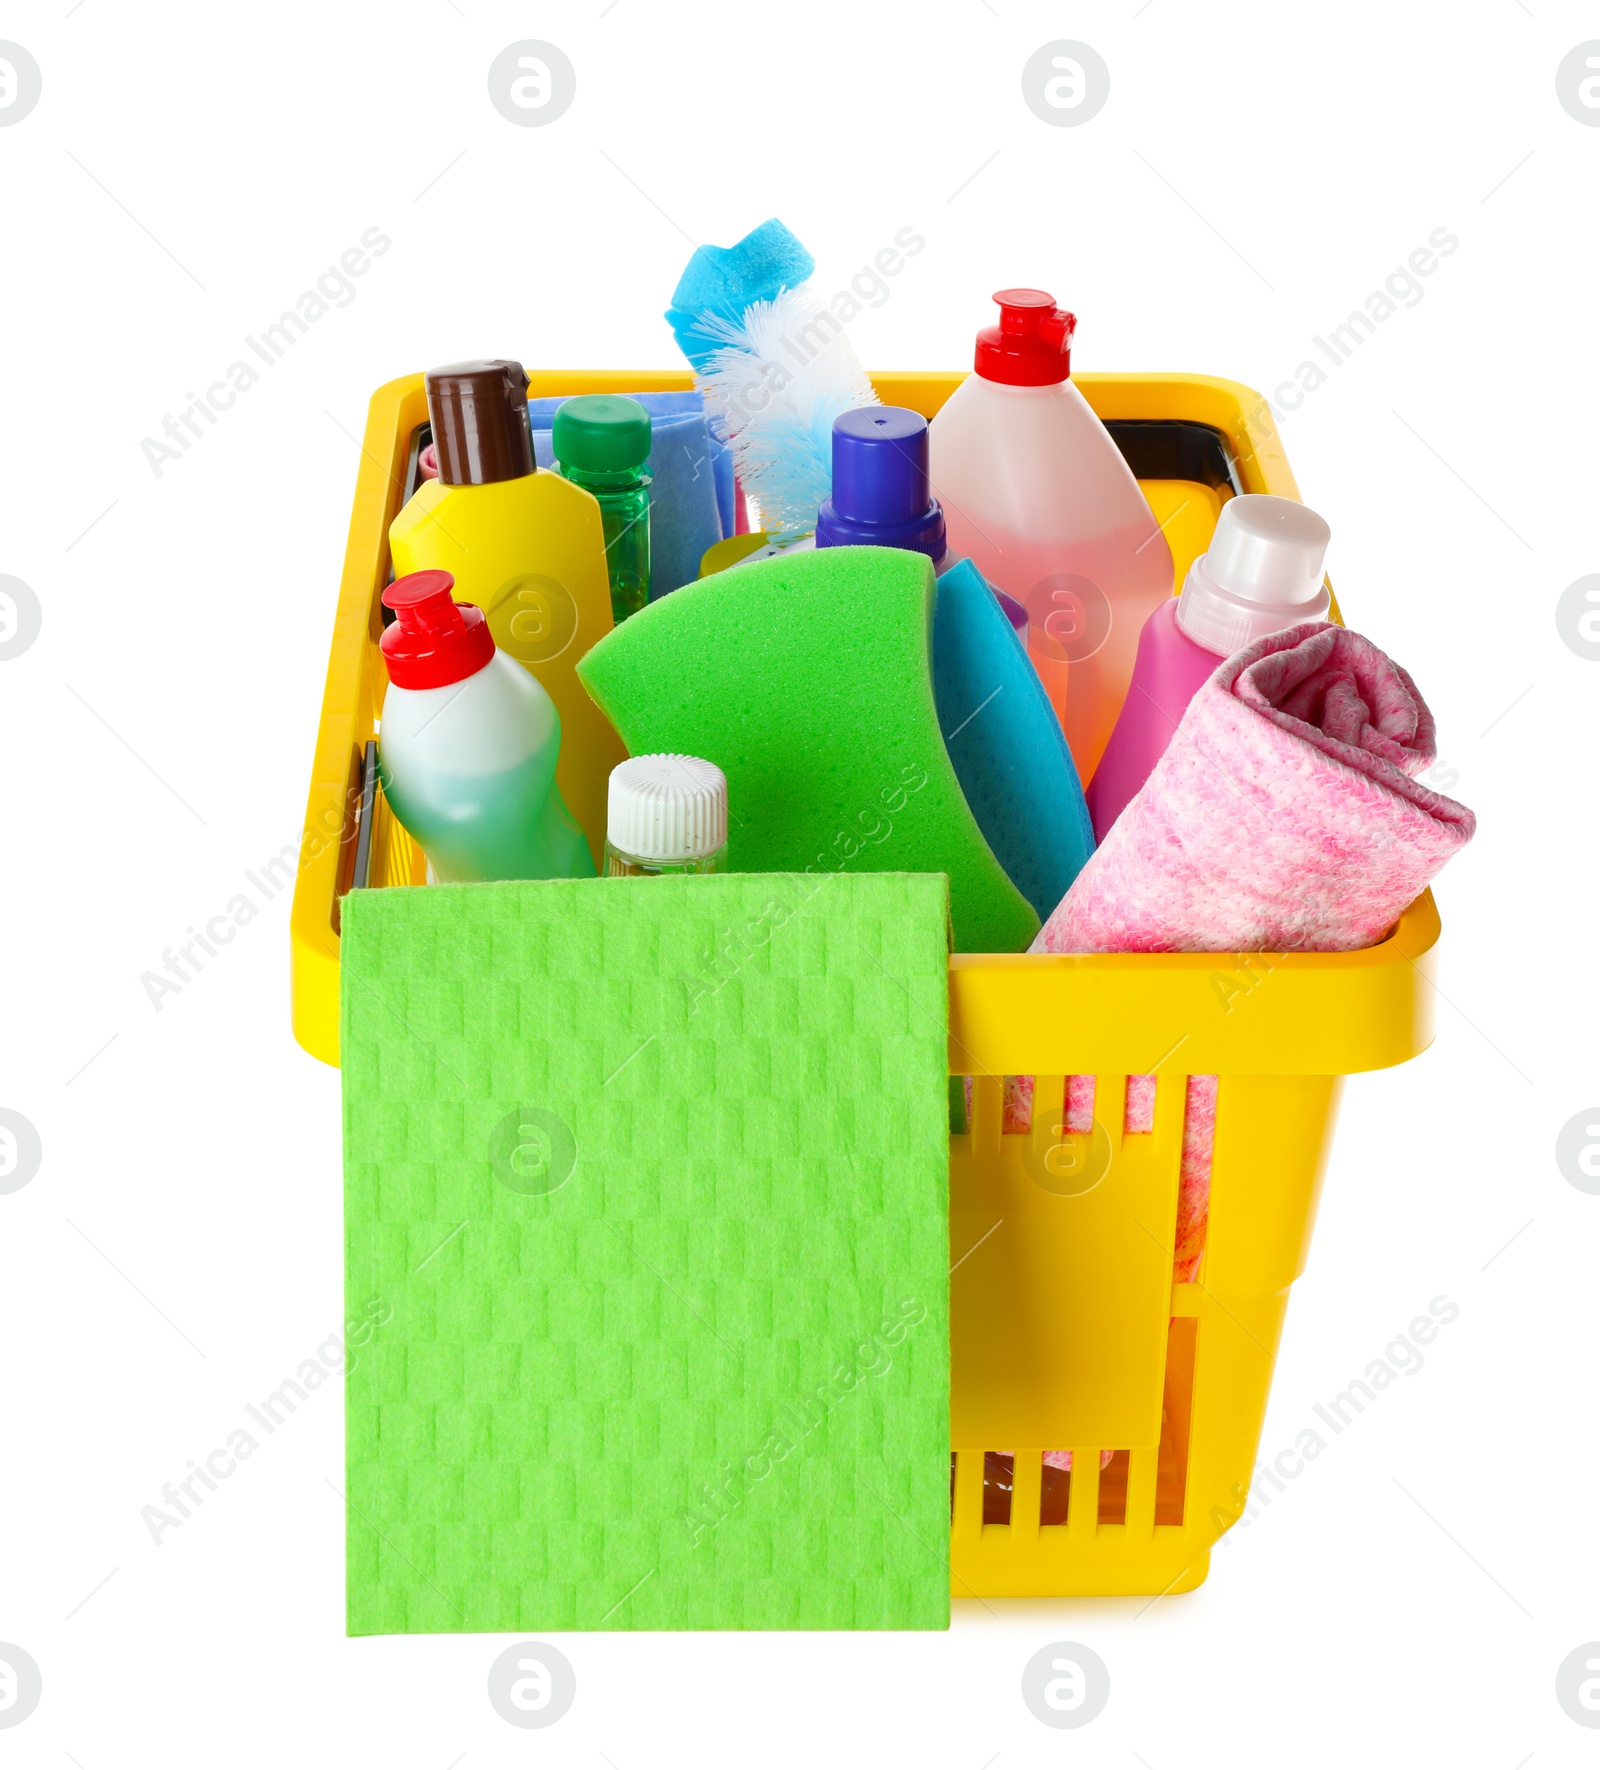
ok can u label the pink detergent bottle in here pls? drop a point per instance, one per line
(1038, 497)
(1261, 573)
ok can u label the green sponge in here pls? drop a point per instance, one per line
(806, 679)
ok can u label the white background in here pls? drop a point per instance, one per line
(1258, 171)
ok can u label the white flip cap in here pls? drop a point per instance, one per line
(1261, 573)
(667, 808)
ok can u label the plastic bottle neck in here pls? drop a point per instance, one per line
(1224, 622)
(1032, 344)
(1262, 572)
(435, 641)
(880, 495)
(624, 479)
(479, 415)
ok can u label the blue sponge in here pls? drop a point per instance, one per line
(724, 280)
(691, 481)
(1005, 742)
(682, 438)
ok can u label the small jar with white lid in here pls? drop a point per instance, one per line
(666, 814)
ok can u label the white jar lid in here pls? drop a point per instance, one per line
(667, 808)
(1261, 573)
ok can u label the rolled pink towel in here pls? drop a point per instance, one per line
(1282, 817)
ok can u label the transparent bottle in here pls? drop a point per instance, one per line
(666, 814)
(602, 442)
(1038, 497)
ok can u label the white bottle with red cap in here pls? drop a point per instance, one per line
(1038, 497)
(468, 745)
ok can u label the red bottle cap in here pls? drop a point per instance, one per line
(434, 640)
(1032, 345)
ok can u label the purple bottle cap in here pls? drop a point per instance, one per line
(880, 484)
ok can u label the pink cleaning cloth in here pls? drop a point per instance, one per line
(1139, 1115)
(1282, 817)
(1062, 1459)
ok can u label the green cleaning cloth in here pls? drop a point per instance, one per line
(646, 1190)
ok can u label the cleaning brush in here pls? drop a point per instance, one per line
(776, 379)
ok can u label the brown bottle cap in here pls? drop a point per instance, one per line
(479, 413)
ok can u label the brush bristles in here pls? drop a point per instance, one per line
(777, 381)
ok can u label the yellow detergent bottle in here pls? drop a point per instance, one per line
(528, 549)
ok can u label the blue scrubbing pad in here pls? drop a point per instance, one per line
(724, 280)
(1005, 742)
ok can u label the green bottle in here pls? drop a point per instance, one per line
(601, 442)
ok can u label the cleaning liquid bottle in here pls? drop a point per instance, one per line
(880, 495)
(1261, 573)
(528, 548)
(1037, 495)
(863, 513)
(601, 442)
(468, 745)
(876, 500)
(666, 814)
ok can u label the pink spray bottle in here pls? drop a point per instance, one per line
(1261, 573)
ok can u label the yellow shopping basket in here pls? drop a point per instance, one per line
(1067, 1330)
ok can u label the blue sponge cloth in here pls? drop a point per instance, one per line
(685, 498)
(724, 280)
(664, 410)
(1005, 742)
(691, 481)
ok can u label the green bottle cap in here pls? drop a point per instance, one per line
(601, 433)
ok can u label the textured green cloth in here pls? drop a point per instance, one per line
(652, 1174)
